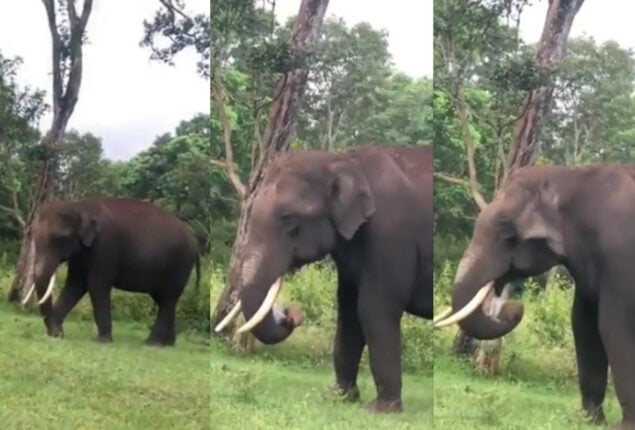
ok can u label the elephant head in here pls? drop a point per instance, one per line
(519, 234)
(308, 202)
(60, 230)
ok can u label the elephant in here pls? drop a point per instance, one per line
(578, 217)
(370, 209)
(111, 242)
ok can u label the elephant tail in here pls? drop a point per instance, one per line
(198, 272)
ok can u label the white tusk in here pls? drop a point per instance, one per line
(467, 309)
(29, 293)
(264, 308)
(443, 314)
(230, 316)
(49, 290)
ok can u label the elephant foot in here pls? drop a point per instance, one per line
(349, 393)
(156, 341)
(54, 330)
(103, 338)
(385, 406)
(595, 416)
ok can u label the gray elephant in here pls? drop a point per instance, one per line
(370, 209)
(112, 242)
(581, 218)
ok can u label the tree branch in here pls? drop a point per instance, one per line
(217, 90)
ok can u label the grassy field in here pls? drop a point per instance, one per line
(274, 389)
(506, 403)
(75, 383)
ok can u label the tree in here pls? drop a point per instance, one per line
(20, 109)
(68, 34)
(182, 30)
(278, 134)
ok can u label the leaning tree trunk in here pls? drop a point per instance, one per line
(526, 142)
(67, 54)
(277, 138)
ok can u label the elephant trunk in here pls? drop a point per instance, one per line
(272, 328)
(259, 288)
(473, 283)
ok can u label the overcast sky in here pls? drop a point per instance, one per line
(125, 99)
(602, 19)
(408, 23)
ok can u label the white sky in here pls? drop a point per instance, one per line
(125, 99)
(602, 19)
(408, 23)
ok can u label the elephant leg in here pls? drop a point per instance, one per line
(618, 334)
(349, 341)
(70, 295)
(163, 331)
(99, 293)
(382, 329)
(591, 357)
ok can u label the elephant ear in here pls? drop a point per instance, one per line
(88, 229)
(351, 201)
(540, 218)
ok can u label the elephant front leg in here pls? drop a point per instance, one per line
(618, 334)
(349, 342)
(382, 330)
(591, 358)
(70, 295)
(99, 293)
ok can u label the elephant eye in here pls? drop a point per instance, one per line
(291, 224)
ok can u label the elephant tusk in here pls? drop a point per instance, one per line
(49, 290)
(443, 315)
(467, 309)
(264, 308)
(29, 293)
(230, 316)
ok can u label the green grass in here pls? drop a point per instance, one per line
(463, 398)
(76, 383)
(277, 389)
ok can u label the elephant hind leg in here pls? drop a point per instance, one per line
(163, 332)
(381, 324)
(618, 334)
(591, 357)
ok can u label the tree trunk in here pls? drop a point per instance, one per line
(67, 71)
(526, 144)
(277, 138)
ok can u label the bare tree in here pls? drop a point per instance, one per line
(68, 29)
(276, 138)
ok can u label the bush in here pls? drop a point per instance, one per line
(192, 310)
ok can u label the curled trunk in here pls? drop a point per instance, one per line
(472, 275)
